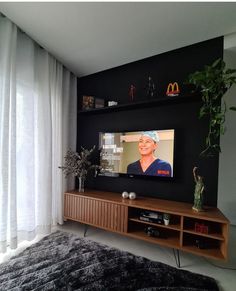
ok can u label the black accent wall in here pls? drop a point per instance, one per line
(181, 114)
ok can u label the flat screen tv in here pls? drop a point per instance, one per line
(138, 153)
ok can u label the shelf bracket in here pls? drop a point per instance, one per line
(85, 229)
(177, 257)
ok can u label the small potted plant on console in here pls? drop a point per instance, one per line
(166, 218)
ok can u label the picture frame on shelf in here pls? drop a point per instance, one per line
(88, 102)
(99, 103)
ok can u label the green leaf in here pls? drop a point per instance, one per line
(213, 81)
(230, 71)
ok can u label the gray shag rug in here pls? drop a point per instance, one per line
(63, 261)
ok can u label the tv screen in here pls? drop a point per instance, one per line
(141, 153)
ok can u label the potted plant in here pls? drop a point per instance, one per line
(166, 218)
(213, 82)
(78, 165)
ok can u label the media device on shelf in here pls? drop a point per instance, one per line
(152, 231)
(148, 153)
(151, 216)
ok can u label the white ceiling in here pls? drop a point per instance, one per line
(91, 37)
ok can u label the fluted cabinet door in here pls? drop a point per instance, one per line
(107, 215)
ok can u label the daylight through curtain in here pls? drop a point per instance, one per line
(37, 126)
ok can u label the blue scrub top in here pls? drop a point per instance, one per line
(157, 168)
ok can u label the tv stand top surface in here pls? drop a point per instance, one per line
(155, 204)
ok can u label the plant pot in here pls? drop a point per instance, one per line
(166, 221)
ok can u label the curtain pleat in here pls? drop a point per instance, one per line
(38, 100)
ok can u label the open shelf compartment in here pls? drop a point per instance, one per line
(154, 233)
(202, 245)
(203, 227)
(156, 218)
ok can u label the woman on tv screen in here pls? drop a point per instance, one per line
(149, 164)
(146, 153)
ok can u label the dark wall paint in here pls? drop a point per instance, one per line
(114, 84)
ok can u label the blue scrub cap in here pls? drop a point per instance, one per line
(152, 134)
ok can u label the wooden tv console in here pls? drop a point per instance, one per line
(201, 233)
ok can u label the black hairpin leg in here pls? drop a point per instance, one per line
(85, 229)
(177, 258)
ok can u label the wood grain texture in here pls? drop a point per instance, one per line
(104, 214)
(109, 211)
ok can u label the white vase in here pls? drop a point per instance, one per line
(166, 221)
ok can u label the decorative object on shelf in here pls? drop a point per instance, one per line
(132, 92)
(201, 227)
(151, 88)
(172, 89)
(125, 195)
(198, 192)
(132, 195)
(152, 231)
(99, 103)
(112, 103)
(88, 102)
(213, 82)
(166, 218)
(204, 243)
(79, 164)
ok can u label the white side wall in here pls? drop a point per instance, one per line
(227, 163)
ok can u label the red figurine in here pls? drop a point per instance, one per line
(132, 91)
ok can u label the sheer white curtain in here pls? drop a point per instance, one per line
(37, 126)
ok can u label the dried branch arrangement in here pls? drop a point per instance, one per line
(78, 164)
